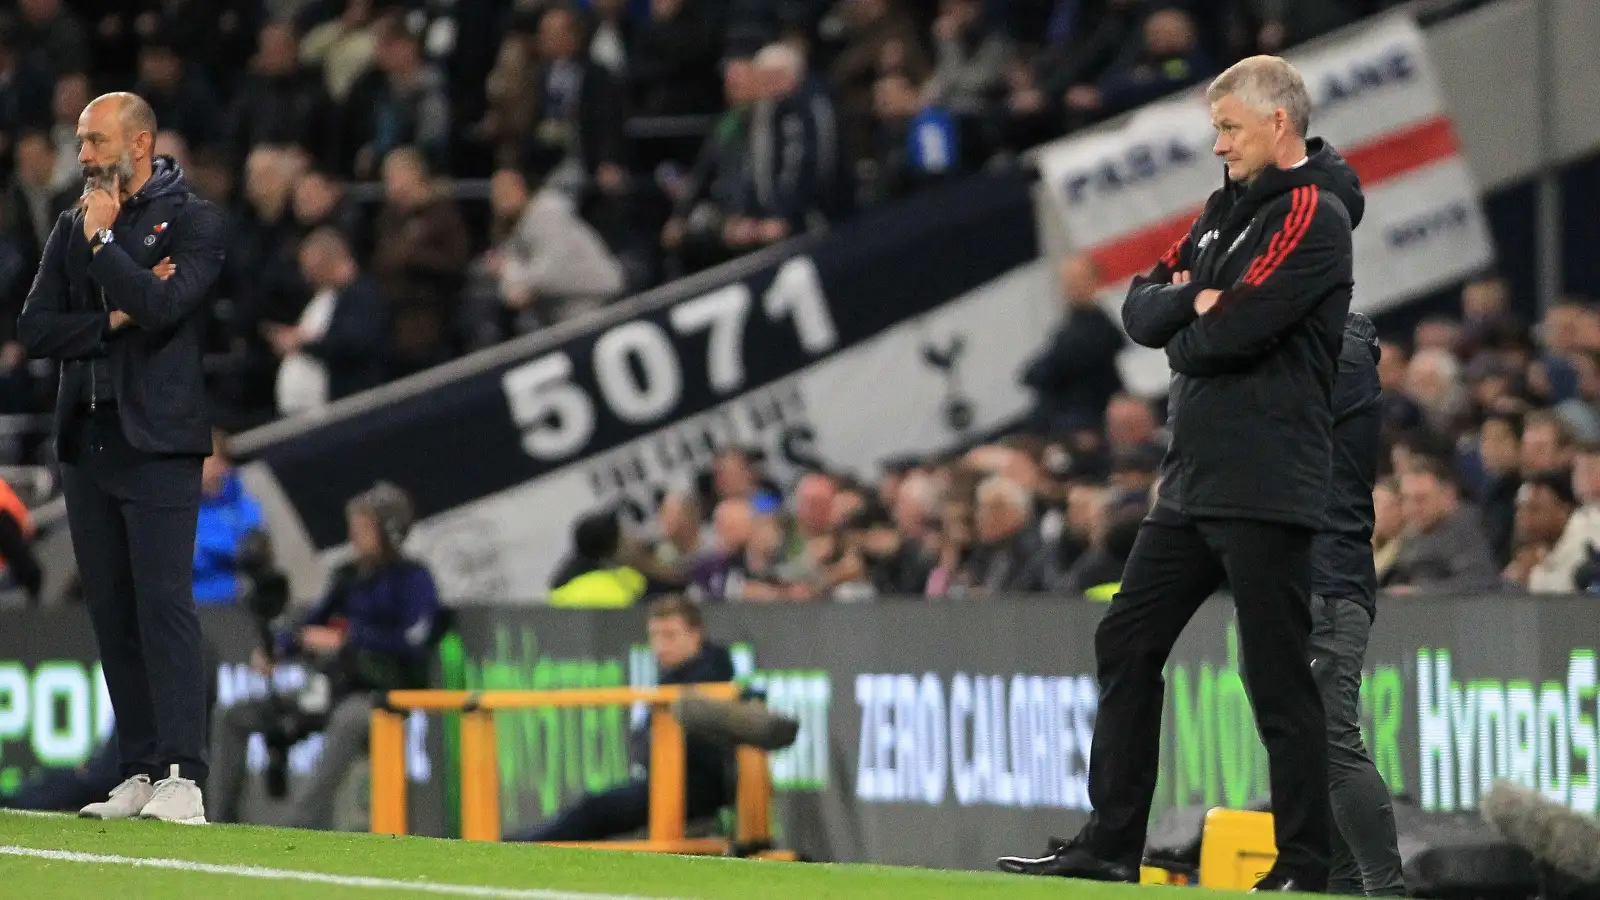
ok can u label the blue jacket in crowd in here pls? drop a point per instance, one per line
(224, 521)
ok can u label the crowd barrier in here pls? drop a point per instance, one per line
(931, 733)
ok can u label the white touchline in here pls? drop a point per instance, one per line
(356, 881)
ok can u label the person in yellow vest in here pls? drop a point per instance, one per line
(593, 578)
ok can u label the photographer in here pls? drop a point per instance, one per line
(370, 633)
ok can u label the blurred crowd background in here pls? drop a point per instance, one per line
(490, 167)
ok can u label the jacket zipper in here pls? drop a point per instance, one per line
(94, 391)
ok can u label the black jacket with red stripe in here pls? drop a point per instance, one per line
(1250, 407)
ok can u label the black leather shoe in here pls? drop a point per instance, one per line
(1067, 859)
(1275, 881)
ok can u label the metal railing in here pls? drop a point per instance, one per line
(480, 770)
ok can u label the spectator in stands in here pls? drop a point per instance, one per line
(1544, 505)
(919, 142)
(1547, 445)
(794, 175)
(24, 90)
(579, 108)
(337, 348)
(1074, 376)
(1443, 548)
(402, 102)
(1486, 314)
(507, 123)
(52, 35)
(182, 99)
(906, 563)
(1130, 422)
(1134, 471)
(1280, 24)
(1433, 382)
(1557, 572)
(719, 574)
(70, 96)
(1440, 333)
(952, 576)
(673, 61)
(280, 103)
(318, 200)
(1171, 59)
(372, 631)
(263, 236)
(971, 64)
(1028, 116)
(683, 655)
(552, 266)
(736, 474)
(420, 262)
(608, 38)
(593, 577)
(1097, 575)
(811, 539)
(1498, 452)
(1009, 557)
(682, 537)
(343, 48)
(877, 32)
(1399, 412)
(1387, 528)
(715, 191)
(31, 203)
(227, 514)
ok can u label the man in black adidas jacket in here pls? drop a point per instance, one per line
(131, 433)
(1250, 307)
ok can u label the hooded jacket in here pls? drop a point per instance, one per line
(155, 362)
(1251, 402)
(1341, 553)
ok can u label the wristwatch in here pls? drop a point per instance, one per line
(102, 238)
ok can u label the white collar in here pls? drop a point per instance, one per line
(1303, 161)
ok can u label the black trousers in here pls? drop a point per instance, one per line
(1365, 849)
(1172, 569)
(132, 515)
(619, 811)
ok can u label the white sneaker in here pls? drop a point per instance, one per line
(127, 799)
(176, 799)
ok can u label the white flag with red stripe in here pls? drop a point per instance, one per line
(1127, 194)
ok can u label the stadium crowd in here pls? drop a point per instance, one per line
(1490, 481)
(622, 142)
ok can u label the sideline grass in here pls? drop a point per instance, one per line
(526, 870)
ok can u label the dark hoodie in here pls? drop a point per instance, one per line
(153, 363)
(1341, 554)
(1251, 404)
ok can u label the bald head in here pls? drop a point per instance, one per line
(117, 134)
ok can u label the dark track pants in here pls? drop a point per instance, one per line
(1365, 851)
(616, 812)
(132, 515)
(1172, 569)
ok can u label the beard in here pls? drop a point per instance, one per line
(96, 177)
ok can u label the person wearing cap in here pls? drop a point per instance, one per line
(370, 633)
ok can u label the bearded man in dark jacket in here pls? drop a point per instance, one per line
(1250, 308)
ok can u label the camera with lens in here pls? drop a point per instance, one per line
(264, 593)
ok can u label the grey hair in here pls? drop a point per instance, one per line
(1015, 495)
(1266, 84)
(782, 56)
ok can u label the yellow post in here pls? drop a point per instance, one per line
(480, 777)
(388, 743)
(753, 799)
(667, 808)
